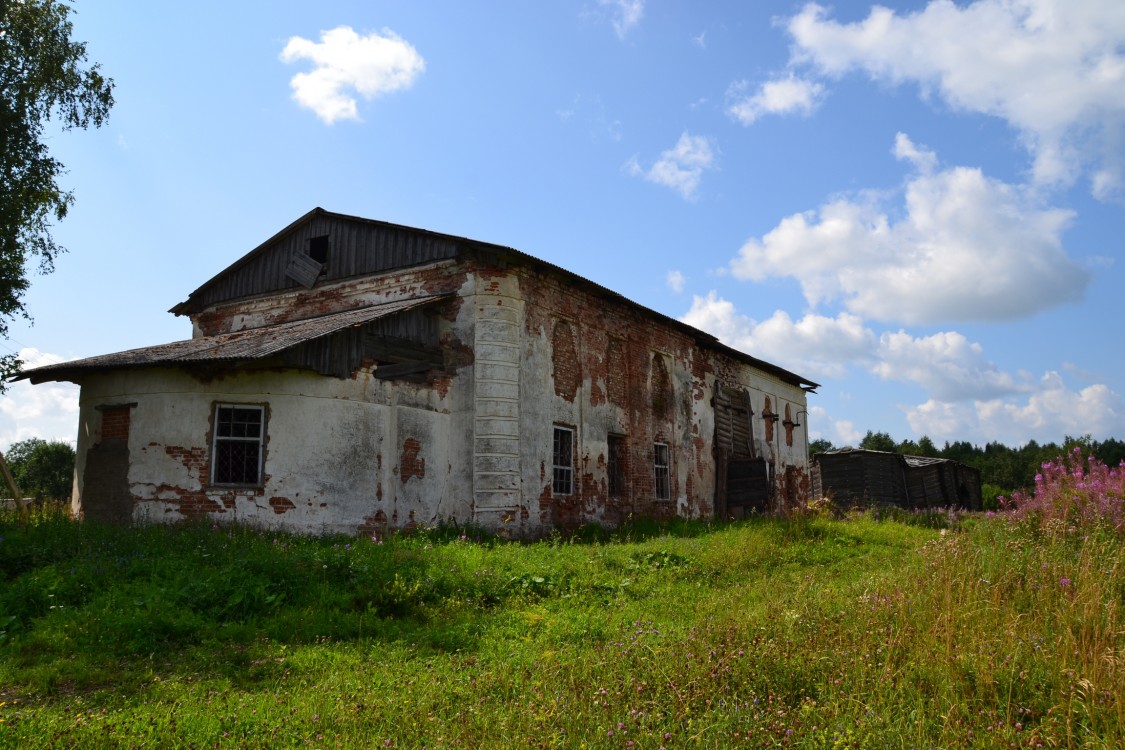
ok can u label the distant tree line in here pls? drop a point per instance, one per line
(42, 469)
(1005, 469)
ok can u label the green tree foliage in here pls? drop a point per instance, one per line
(1111, 452)
(878, 441)
(43, 77)
(927, 448)
(42, 469)
(820, 445)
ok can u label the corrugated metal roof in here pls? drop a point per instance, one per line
(925, 460)
(250, 344)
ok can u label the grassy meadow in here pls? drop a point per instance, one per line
(892, 630)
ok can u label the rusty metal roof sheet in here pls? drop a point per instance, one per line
(250, 344)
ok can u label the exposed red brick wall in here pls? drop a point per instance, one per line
(281, 505)
(768, 418)
(616, 350)
(616, 373)
(194, 459)
(412, 465)
(660, 386)
(374, 526)
(115, 423)
(566, 369)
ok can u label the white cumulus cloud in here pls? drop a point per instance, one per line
(346, 64)
(1053, 69)
(675, 281)
(840, 432)
(780, 96)
(680, 167)
(48, 411)
(1051, 410)
(814, 346)
(947, 365)
(967, 396)
(961, 247)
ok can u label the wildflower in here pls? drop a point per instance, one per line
(1064, 582)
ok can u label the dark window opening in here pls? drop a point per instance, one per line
(615, 466)
(661, 471)
(562, 482)
(318, 249)
(237, 451)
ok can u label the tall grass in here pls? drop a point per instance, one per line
(889, 632)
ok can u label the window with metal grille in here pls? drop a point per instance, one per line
(563, 461)
(615, 466)
(661, 471)
(236, 456)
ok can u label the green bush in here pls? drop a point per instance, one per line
(990, 495)
(42, 470)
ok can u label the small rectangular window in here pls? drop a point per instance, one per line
(237, 451)
(615, 466)
(563, 461)
(661, 471)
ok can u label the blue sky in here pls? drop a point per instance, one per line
(920, 206)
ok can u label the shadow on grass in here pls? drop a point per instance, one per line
(82, 604)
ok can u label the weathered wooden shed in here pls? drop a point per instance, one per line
(350, 375)
(861, 478)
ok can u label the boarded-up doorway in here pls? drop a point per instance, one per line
(742, 483)
(105, 486)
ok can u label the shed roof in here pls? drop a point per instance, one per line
(859, 453)
(240, 346)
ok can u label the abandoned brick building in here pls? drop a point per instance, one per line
(351, 375)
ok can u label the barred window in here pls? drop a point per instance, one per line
(563, 461)
(661, 471)
(615, 466)
(236, 456)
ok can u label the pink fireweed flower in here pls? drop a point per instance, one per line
(1082, 492)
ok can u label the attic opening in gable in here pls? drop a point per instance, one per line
(318, 248)
(305, 268)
